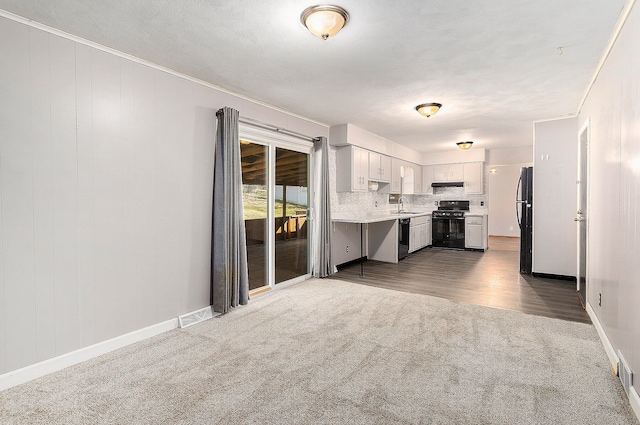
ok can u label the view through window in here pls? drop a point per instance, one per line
(290, 200)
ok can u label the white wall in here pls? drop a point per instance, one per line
(106, 168)
(502, 188)
(502, 200)
(506, 156)
(554, 196)
(613, 108)
(454, 155)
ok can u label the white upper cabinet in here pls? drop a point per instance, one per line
(396, 178)
(441, 173)
(448, 173)
(417, 179)
(356, 167)
(408, 179)
(427, 178)
(474, 178)
(379, 167)
(456, 172)
(403, 175)
(352, 169)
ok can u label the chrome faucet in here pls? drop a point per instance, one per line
(401, 200)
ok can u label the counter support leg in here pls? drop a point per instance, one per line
(362, 249)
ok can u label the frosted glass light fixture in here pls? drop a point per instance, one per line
(324, 20)
(428, 109)
(465, 145)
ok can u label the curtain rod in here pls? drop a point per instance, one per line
(271, 127)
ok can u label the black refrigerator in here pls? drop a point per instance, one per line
(524, 212)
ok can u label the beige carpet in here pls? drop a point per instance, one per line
(331, 352)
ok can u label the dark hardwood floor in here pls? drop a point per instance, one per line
(490, 278)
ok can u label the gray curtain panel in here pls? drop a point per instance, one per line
(229, 275)
(323, 257)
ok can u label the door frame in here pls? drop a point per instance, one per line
(272, 141)
(584, 129)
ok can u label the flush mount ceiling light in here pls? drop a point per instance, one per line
(465, 145)
(324, 20)
(428, 109)
(493, 170)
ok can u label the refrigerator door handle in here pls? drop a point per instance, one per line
(518, 202)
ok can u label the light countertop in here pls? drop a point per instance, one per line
(369, 217)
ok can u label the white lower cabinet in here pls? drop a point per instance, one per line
(419, 232)
(413, 238)
(476, 232)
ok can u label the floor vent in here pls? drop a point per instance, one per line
(195, 317)
(624, 373)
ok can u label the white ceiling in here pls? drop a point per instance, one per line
(494, 65)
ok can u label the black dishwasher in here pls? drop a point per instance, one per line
(403, 237)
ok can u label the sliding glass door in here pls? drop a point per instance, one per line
(276, 196)
(290, 215)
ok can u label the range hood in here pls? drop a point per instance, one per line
(447, 184)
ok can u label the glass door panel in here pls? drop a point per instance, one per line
(290, 214)
(255, 197)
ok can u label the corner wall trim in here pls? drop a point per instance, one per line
(622, 19)
(37, 370)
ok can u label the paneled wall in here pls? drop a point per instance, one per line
(613, 110)
(555, 168)
(106, 168)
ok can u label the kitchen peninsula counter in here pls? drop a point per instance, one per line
(373, 236)
(374, 218)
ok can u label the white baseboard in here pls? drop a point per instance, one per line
(608, 348)
(634, 399)
(28, 373)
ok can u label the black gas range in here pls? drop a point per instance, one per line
(448, 224)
